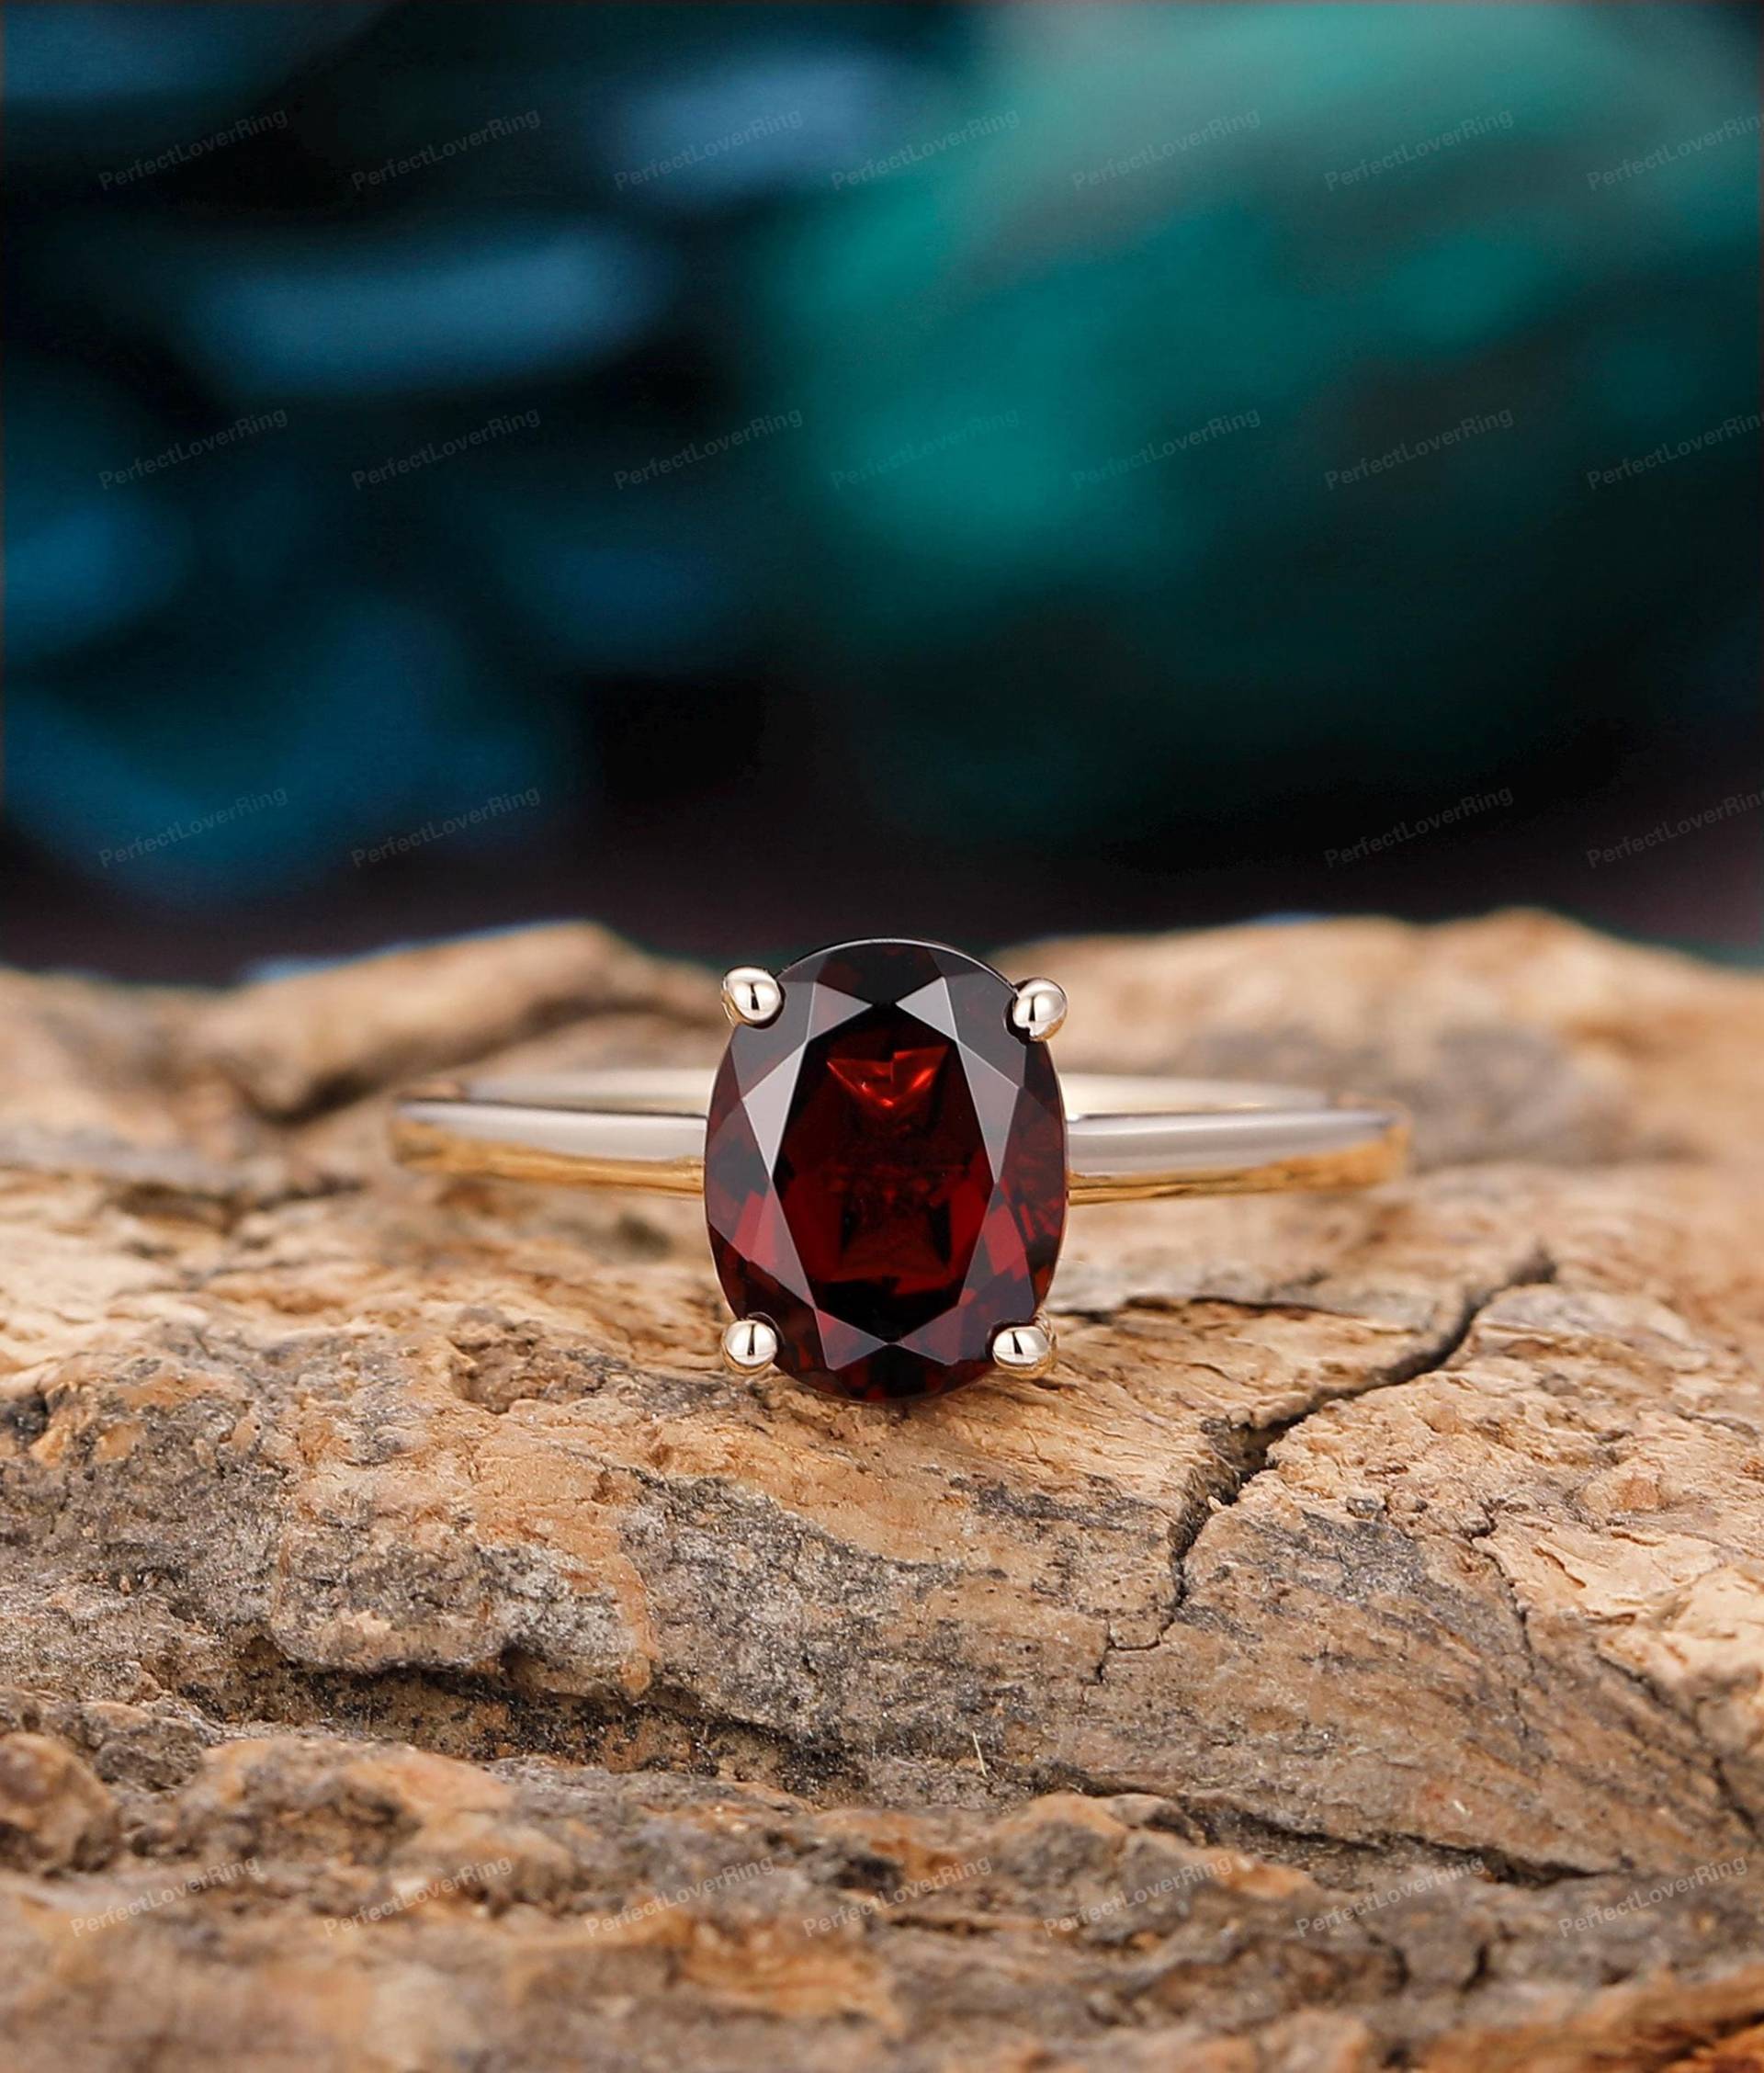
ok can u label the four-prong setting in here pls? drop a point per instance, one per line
(1037, 1009)
(884, 1169)
(752, 996)
(1025, 1350)
(750, 1346)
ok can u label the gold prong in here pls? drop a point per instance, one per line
(1028, 1350)
(749, 1344)
(1038, 1009)
(752, 995)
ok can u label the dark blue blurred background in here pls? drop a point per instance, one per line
(754, 475)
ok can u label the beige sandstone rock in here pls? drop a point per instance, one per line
(417, 1654)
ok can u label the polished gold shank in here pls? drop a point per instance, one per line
(1130, 1137)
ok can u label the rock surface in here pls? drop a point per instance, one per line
(415, 1653)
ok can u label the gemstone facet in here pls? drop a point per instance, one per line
(884, 1169)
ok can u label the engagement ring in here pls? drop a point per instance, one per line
(885, 1155)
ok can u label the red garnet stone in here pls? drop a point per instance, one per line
(884, 1169)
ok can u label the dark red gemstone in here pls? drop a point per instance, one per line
(884, 1169)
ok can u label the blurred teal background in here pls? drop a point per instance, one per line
(756, 475)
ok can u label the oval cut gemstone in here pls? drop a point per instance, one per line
(884, 1169)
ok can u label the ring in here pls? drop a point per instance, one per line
(885, 1155)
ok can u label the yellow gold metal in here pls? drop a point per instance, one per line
(752, 995)
(1038, 1009)
(750, 1346)
(1128, 1138)
(1028, 1350)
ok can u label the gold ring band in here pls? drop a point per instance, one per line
(1129, 1137)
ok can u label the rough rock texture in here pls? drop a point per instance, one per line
(415, 1653)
